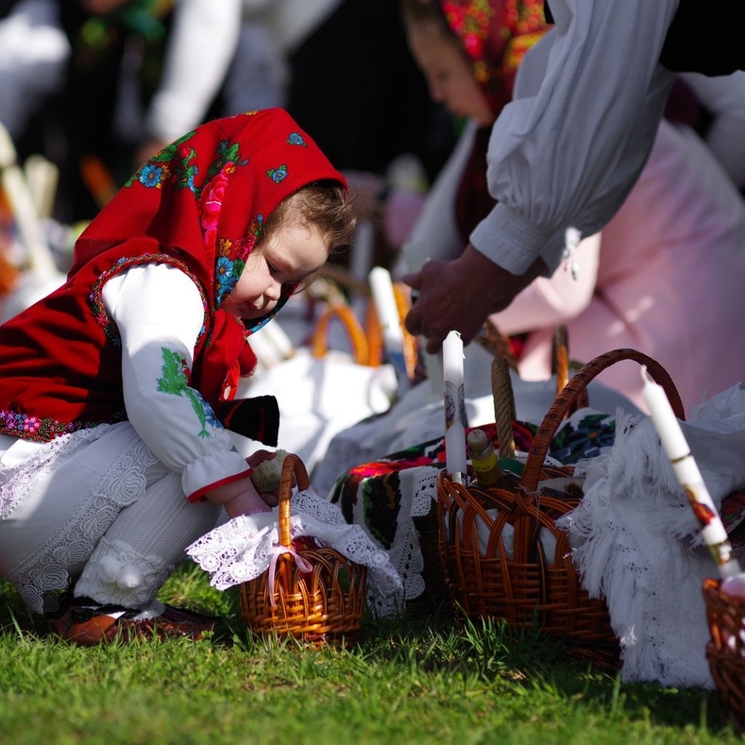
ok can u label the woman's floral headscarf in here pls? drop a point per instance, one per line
(496, 34)
(206, 197)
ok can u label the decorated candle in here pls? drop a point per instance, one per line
(689, 477)
(455, 406)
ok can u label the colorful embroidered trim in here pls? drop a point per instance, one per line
(32, 428)
(95, 299)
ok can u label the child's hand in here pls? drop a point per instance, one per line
(260, 456)
(241, 498)
(268, 472)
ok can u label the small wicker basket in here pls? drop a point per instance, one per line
(725, 652)
(320, 605)
(524, 573)
(365, 341)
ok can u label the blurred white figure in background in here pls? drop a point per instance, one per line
(33, 53)
(724, 100)
(237, 46)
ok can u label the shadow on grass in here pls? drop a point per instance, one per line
(487, 652)
(526, 658)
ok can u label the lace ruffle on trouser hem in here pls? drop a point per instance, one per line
(121, 575)
(46, 571)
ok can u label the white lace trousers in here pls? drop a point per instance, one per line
(98, 506)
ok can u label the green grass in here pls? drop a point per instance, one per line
(407, 681)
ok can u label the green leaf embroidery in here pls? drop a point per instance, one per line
(176, 382)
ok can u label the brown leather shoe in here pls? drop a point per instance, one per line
(90, 624)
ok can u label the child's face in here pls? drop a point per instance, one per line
(449, 74)
(289, 256)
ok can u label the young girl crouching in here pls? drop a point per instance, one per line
(117, 390)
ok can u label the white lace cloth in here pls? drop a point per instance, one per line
(418, 495)
(243, 548)
(638, 545)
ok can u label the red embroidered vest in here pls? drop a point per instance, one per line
(60, 361)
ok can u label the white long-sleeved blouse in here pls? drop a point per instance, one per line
(159, 313)
(570, 146)
(203, 42)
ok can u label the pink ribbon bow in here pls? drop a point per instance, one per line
(303, 565)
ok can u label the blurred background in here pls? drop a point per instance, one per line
(91, 84)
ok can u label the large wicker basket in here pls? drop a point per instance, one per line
(502, 553)
(725, 653)
(320, 605)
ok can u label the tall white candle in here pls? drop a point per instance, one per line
(455, 406)
(689, 477)
(384, 298)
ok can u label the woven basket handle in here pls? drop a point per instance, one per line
(504, 406)
(560, 357)
(293, 469)
(558, 411)
(411, 343)
(350, 323)
(374, 334)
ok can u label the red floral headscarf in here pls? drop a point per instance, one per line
(495, 34)
(206, 197)
(198, 205)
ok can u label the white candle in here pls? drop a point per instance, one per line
(386, 307)
(381, 287)
(689, 477)
(455, 406)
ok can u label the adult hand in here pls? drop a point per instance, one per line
(459, 295)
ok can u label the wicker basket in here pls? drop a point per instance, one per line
(343, 313)
(374, 334)
(725, 652)
(365, 341)
(436, 598)
(533, 582)
(323, 604)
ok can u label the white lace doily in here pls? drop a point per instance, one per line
(242, 549)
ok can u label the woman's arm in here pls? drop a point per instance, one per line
(200, 47)
(568, 149)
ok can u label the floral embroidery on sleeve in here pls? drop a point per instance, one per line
(175, 380)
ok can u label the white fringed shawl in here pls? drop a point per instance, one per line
(638, 545)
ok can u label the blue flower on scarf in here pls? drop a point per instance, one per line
(277, 174)
(296, 139)
(151, 175)
(224, 277)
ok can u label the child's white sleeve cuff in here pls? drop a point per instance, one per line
(216, 469)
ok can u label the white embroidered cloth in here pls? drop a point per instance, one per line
(638, 545)
(242, 548)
